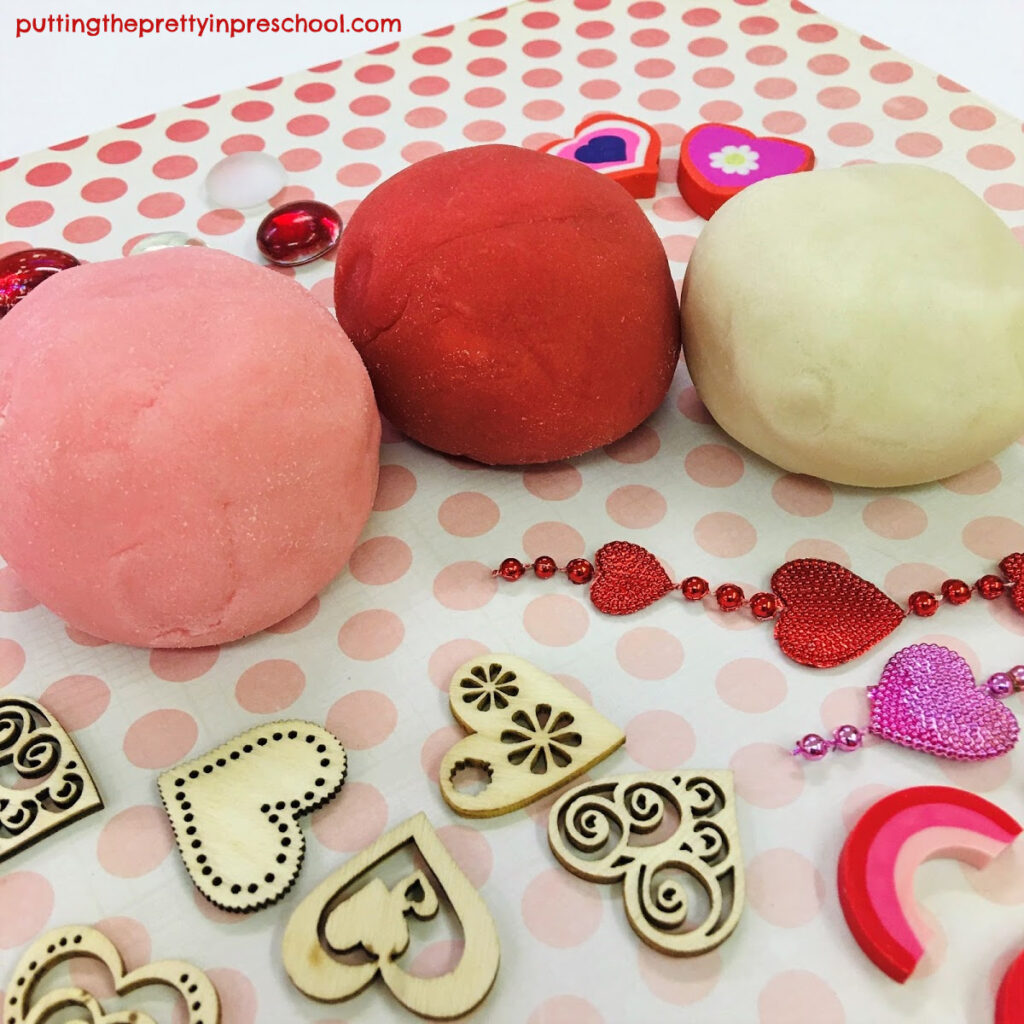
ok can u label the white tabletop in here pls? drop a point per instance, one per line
(69, 85)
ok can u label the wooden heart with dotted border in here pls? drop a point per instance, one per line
(529, 734)
(234, 811)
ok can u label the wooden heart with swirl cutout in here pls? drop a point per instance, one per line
(21, 1006)
(234, 810)
(530, 735)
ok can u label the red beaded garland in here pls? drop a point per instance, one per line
(511, 569)
(579, 570)
(544, 567)
(922, 603)
(990, 587)
(956, 591)
(764, 605)
(694, 588)
(729, 597)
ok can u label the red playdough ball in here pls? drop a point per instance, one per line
(510, 306)
(188, 447)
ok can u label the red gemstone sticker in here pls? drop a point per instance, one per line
(298, 232)
(26, 269)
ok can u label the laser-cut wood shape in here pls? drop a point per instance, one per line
(194, 987)
(60, 789)
(528, 733)
(597, 831)
(234, 810)
(372, 920)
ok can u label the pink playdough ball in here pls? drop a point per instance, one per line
(188, 447)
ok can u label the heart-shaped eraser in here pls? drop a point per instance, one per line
(234, 810)
(627, 578)
(622, 148)
(529, 734)
(830, 615)
(718, 160)
(927, 700)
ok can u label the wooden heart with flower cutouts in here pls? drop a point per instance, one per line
(529, 735)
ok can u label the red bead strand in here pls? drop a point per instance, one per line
(923, 603)
(990, 587)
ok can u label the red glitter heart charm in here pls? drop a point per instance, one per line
(627, 578)
(1012, 567)
(830, 615)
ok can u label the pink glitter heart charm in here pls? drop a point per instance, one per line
(927, 700)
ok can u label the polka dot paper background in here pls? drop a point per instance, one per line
(371, 656)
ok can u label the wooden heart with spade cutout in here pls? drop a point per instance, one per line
(234, 811)
(530, 735)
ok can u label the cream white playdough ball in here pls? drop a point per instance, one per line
(188, 447)
(864, 325)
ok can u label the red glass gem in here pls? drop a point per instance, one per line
(24, 270)
(956, 591)
(764, 605)
(922, 603)
(511, 569)
(544, 567)
(729, 597)
(990, 587)
(694, 588)
(579, 570)
(298, 232)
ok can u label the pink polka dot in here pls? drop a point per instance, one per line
(362, 719)
(721, 110)
(556, 620)
(27, 899)
(464, 586)
(921, 144)
(13, 596)
(649, 37)
(450, 656)
(315, 92)
(540, 19)
(751, 685)
(676, 980)
(172, 167)
(553, 482)
(904, 579)
(649, 653)
(775, 88)
(905, 108)
(857, 801)
(371, 74)
(432, 55)
(238, 998)
(132, 942)
(220, 222)
(891, 72)
(973, 118)
(160, 738)
(308, 124)
(690, 405)
(298, 619)
(895, 518)
(713, 78)
(188, 130)
(487, 37)
(62, 147)
(658, 99)
(558, 540)
(784, 122)
(250, 110)
(206, 101)
(300, 159)
(120, 152)
(764, 56)
(76, 701)
(802, 495)
(636, 506)
(243, 144)
(270, 83)
(707, 46)
(646, 9)
(1005, 197)
(639, 446)
(980, 776)
(353, 819)
(979, 480)
(380, 560)
(468, 514)
(45, 175)
(542, 48)
(487, 67)
(483, 131)
(701, 16)
(161, 204)
(485, 96)
(470, 850)
(660, 740)
(799, 997)
(12, 661)
(87, 229)
(134, 842)
(421, 150)
(759, 26)
(725, 534)
(358, 175)
(429, 85)
(850, 133)
(363, 138)
(182, 666)
(543, 110)
(270, 686)
(82, 638)
(785, 888)
(817, 33)
(597, 58)
(28, 215)
(828, 64)
(600, 89)
(714, 465)
(990, 157)
(369, 106)
(594, 29)
(395, 484)
(767, 775)
(437, 958)
(541, 78)
(425, 117)
(844, 705)
(565, 1009)
(561, 910)
(436, 745)
(655, 67)
(872, 44)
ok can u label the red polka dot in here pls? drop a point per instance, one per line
(432, 55)
(540, 19)
(64, 146)
(8, 163)
(850, 133)
(43, 175)
(369, 106)
(118, 152)
(721, 110)
(308, 124)
(300, 159)
(242, 144)
(372, 74)
(949, 85)
(486, 67)
(891, 72)
(28, 215)
(171, 167)
(759, 26)
(421, 150)
(594, 29)
(775, 88)
(905, 108)
(161, 204)
(872, 44)
(701, 16)
(252, 110)
(485, 96)
(364, 138)
(766, 55)
(220, 222)
(542, 78)
(370, 635)
(315, 92)
(973, 118)
(921, 144)
(828, 64)
(597, 58)
(600, 89)
(1005, 197)
(713, 78)
(425, 117)
(206, 101)
(270, 83)
(655, 67)
(187, 131)
(649, 37)
(817, 33)
(87, 229)
(542, 48)
(646, 9)
(487, 37)
(104, 190)
(990, 157)
(358, 175)
(483, 131)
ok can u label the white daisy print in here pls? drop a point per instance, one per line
(735, 160)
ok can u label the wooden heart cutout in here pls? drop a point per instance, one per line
(597, 831)
(372, 919)
(194, 987)
(621, 148)
(528, 732)
(234, 810)
(59, 788)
